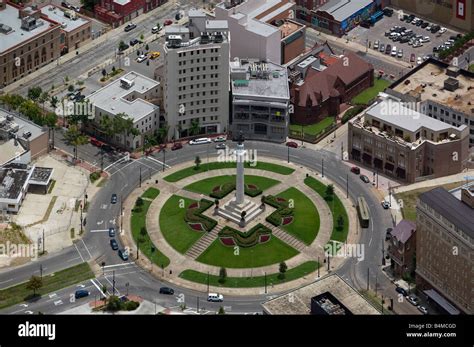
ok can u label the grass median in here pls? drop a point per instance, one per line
(206, 185)
(61, 279)
(139, 233)
(251, 282)
(190, 171)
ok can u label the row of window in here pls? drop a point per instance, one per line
(183, 62)
(204, 119)
(198, 52)
(203, 110)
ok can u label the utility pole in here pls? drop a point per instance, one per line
(319, 265)
(375, 283)
(265, 283)
(329, 266)
(288, 154)
(121, 213)
(208, 283)
(113, 282)
(347, 186)
(101, 160)
(43, 239)
(138, 248)
(197, 304)
(126, 285)
(368, 279)
(382, 303)
(81, 219)
(322, 165)
(164, 159)
(140, 177)
(41, 271)
(302, 135)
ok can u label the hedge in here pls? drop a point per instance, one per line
(247, 239)
(194, 215)
(282, 210)
(227, 188)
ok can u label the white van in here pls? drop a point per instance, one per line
(200, 141)
(394, 51)
(214, 297)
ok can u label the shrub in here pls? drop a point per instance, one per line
(94, 176)
(139, 202)
(245, 239)
(194, 215)
(282, 210)
(131, 305)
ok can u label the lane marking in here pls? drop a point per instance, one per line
(11, 279)
(98, 230)
(87, 249)
(98, 288)
(77, 249)
(58, 302)
(124, 264)
(159, 162)
(115, 162)
(72, 259)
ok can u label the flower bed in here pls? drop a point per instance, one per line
(194, 215)
(246, 239)
(252, 190)
(227, 241)
(281, 214)
(196, 226)
(221, 191)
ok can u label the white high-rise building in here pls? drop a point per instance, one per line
(196, 77)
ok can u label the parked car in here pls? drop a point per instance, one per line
(442, 30)
(81, 293)
(401, 291)
(220, 139)
(221, 145)
(292, 144)
(130, 27)
(355, 170)
(385, 205)
(388, 234)
(394, 51)
(412, 299)
(200, 141)
(65, 4)
(166, 290)
(424, 25)
(382, 48)
(113, 199)
(425, 39)
(123, 254)
(123, 47)
(376, 44)
(214, 297)
(388, 49)
(176, 145)
(133, 42)
(141, 58)
(111, 232)
(419, 61)
(154, 55)
(155, 30)
(114, 244)
(422, 309)
(400, 53)
(168, 22)
(412, 58)
(364, 179)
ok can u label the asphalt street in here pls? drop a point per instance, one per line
(125, 178)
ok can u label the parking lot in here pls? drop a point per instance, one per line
(378, 33)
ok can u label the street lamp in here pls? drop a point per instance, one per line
(164, 158)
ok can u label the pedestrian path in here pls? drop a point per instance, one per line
(203, 243)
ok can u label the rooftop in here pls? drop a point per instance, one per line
(112, 97)
(19, 126)
(9, 150)
(428, 82)
(12, 34)
(67, 24)
(403, 230)
(262, 80)
(343, 9)
(451, 208)
(394, 113)
(41, 175)
(289, 27)
(12, 182)
(299, 300)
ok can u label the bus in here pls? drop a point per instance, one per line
(363, 212)
(376, 17)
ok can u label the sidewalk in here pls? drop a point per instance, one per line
(179, 262)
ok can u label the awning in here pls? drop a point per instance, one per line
(389, 166)
(433, 295)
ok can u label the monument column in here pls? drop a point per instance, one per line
(239, 184)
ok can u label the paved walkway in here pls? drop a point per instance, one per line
(180, 262)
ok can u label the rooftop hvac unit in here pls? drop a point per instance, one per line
(14, 127)
(125, 83)
(10, 117)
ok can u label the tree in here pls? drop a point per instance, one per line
(54, 101)
(104, 72)
(162, 133)
(143, 231)
(75, 138)
(221, 310)
(106, 126)
(195, 128)
(197, 162)
(142, 37)
(70, 88)
(32, 111)
(124, 124)
(329, 191)
(113, 69)
(34, 93)
(34, 284)
(282, 269)
(340, 222)
(147, 47)
(122, 46)
(139, 201)
(43, 98)
(222, 275)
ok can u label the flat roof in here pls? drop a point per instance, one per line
(24, 126)
(217, 25)
(451, 208)
(9, 150)
(58, 15)
(276, 12)
(10, 17)
(405, 118)
(41, 175)
(111, 98)
(299, 300)
(276, 86)
(12, 182)
(343, 9)
(428, 82)
(289, 27)
(436, 297)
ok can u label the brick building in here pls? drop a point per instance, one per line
(29, 41)
(117, 12)
(401, 248)
(404, 144)
(445, 248)
(321, 82)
